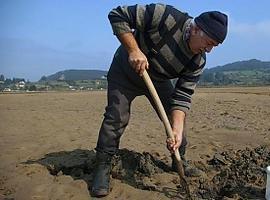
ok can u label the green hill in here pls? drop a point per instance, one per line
(250, 73)
(74, 80)
(247, 73)
(75, 75)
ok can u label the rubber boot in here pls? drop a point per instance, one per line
(189, 170)
(101, 179)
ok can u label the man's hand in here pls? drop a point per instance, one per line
(138, 61)
(136, 58)
(177, 122)
(173, 144)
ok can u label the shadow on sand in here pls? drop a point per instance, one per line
(239, 174)
(130, 167)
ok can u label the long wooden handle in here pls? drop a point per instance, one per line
(167, 125)
(160, 109)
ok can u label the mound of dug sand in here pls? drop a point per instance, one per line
(238, 174)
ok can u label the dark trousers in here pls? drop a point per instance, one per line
(123, 86)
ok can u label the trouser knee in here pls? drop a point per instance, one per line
(111, 130)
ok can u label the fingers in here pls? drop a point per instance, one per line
(170, 144)
(174, 144)
(139, 66)
(135, 65)
(143, 66)
(139, 62)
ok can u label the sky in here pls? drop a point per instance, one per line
(42, 37)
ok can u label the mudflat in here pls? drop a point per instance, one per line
(47, 143)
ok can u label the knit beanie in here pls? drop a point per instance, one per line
(214, 24)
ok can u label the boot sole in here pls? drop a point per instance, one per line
(100, 193)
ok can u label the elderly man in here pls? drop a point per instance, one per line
(170, 45)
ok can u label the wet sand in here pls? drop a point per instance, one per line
(38, 126)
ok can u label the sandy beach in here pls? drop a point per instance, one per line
(47, 142)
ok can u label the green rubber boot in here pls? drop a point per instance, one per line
(101, 179)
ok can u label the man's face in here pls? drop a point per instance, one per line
(199, 42)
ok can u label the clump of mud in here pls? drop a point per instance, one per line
(241, 174)
(232, 174)
(133, 168)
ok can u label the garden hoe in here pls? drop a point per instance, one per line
(168, 128)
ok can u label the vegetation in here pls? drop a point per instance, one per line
(98, 84)
(12, 84)
(74, 80)
(244, 73)
(60, 81)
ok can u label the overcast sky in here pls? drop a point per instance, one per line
(41, 37)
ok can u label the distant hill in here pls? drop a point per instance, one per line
(247, 73)
(250, 72)
(74, 75)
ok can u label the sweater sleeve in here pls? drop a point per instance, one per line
(185, 86)
(139, 17)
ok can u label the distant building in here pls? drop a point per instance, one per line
(20, 85)
(7, 90)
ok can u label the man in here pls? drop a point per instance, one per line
(169, 44)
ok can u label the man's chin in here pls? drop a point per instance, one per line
(196, 51)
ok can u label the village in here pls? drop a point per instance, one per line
(21, 85)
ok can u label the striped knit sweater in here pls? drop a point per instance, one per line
(150, 23)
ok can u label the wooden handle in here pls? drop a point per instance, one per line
(160, 109)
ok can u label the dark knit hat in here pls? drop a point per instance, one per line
(214, 24)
